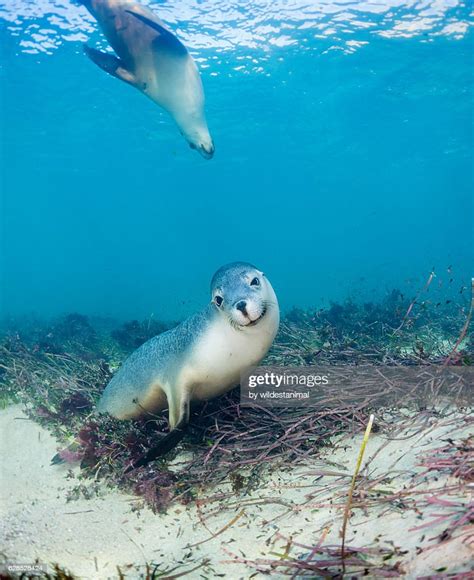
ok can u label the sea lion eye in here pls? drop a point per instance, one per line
(255, 282)
(218, 300)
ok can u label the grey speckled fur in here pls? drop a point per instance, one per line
(160, 356)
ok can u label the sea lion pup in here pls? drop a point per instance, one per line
(151, 59)
(201, 358)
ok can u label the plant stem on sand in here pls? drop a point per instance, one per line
(351, 491)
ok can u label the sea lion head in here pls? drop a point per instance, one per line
(187, 108)
(194, 130)
(243, 294)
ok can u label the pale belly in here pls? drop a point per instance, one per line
(223, 354)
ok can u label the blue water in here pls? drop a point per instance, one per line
(343, 165)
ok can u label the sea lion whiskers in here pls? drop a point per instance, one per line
(235, 325)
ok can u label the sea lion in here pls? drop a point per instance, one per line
(201, 358)
(154, 61)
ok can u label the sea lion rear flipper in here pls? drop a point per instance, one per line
(166, 40)
(110, 64)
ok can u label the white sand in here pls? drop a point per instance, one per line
(90, 537)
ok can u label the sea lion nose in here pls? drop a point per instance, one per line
(242, 306)
(207, 152)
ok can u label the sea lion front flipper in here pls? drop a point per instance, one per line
(169, 441)
(110, 64)
(166, 40)
(179, 420)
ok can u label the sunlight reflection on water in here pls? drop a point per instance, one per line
(259, 26)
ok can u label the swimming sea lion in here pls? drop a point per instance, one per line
(201, 358)
(152, 59)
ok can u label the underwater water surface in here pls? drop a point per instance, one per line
(343, 165)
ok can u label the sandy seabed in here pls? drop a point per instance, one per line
(403, 512)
